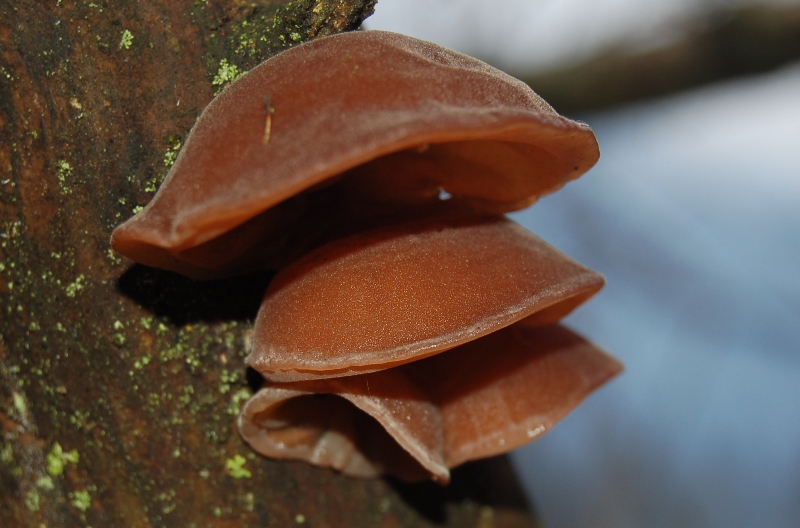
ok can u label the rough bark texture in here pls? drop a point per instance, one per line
(725, 44)
(119, 384)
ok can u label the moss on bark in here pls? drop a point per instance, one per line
(119, 384)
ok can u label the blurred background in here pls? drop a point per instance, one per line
(693, 215)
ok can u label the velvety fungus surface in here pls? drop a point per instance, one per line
(423, 418)
(395, 118)
(393, 295)
(410, 327)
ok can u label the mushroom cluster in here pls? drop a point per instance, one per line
(410, 327)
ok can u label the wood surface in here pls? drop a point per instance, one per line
(120, 384)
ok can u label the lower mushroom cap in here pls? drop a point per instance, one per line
(480, 399)
(383, 298)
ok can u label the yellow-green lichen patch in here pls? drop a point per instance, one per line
(142, 362)
(154, 399)
(235, 467)
(227, 378)
(117, 337)
(169, 158)
(249, 500)
(126, 40)
(75, 286)
(168, 497)
(113, 256)
(82, 420)
(186, 398)
(45, 482)
(81, 499)
(57, 459)
(195, 345)
(237, 398)
(153, 184)
(174, 144)
(174, 148)
(64, 175)
(226, 74)
(249, 39)
(19, 404)
(32, 500)
(7, 454)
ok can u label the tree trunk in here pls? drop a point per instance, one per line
(120, 384)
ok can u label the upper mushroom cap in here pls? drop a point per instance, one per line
(394, 295)
(425, 117)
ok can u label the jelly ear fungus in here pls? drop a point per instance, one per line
(396, 118)
(480, 399)
(395, 295)
(411, 327)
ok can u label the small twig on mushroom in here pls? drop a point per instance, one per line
(268, 124)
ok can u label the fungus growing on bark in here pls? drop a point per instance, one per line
(435, 317)
(393, 295)
(420, 419)
(396, 119)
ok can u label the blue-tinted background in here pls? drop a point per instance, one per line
(693, 215)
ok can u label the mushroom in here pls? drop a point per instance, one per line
(316, 136)
(394, 295)
(411, 327)
(421, 419)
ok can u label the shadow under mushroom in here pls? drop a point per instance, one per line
(183, 301)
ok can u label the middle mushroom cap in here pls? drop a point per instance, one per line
(393, 295)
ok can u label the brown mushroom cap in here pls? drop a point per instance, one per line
(407, 116)
(480, 399)
(397, 294)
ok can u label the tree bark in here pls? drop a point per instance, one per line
(120, 384)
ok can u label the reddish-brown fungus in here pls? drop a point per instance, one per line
(433, 317)
(393, 295)
(399, 119)
(482, 398)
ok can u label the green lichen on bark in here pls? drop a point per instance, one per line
(119, 384)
